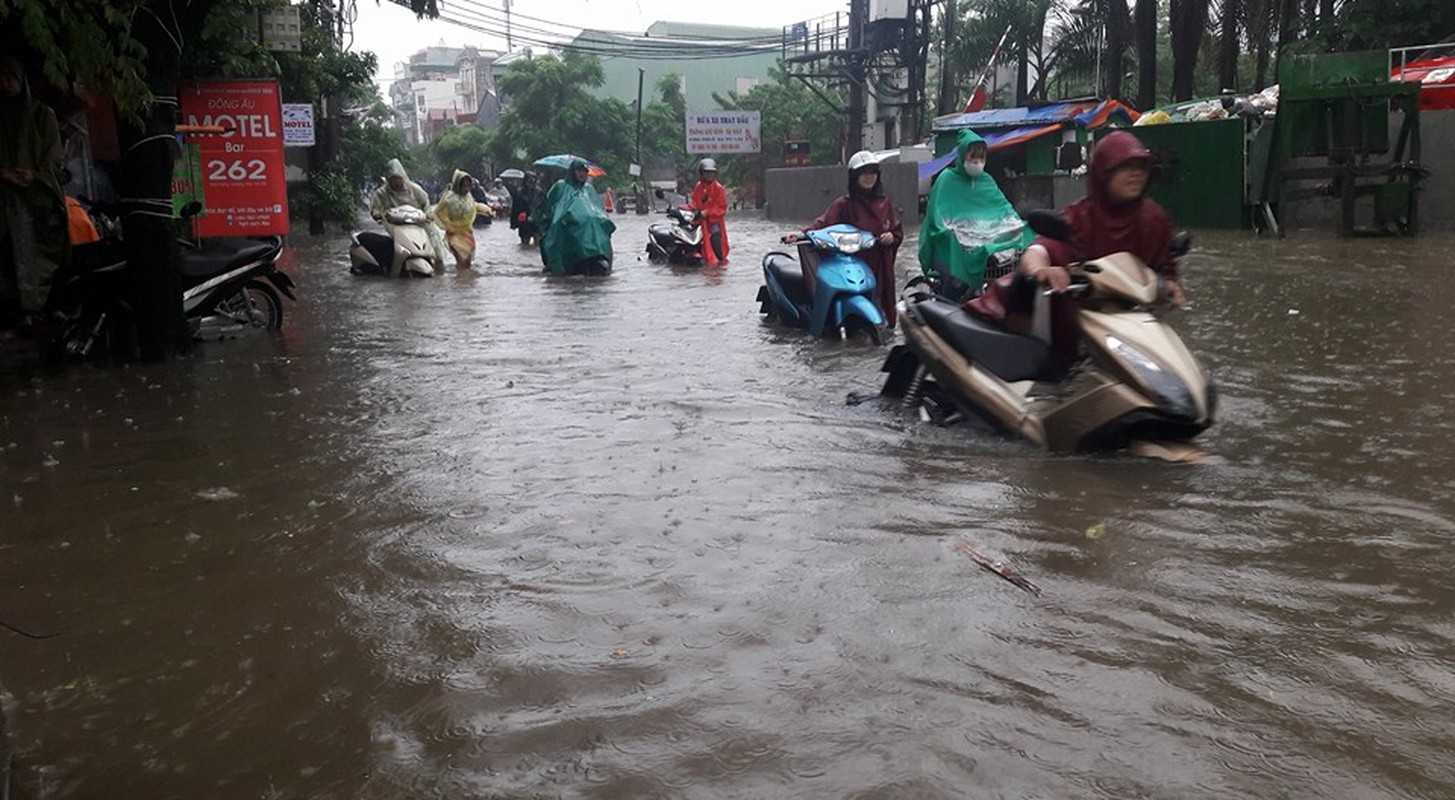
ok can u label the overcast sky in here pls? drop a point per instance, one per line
(393, 33)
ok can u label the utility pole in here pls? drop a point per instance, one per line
(508, 47)
(858, 14)
(640, 201)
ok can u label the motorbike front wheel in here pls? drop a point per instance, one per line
(857, 325)
(103, 331)
(255, 307)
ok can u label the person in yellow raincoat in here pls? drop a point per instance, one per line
(456, 213)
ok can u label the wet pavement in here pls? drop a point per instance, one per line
(496, 534)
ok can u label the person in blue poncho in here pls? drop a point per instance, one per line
(967, 220)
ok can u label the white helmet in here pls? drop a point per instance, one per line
(707, 165)
(862, 159)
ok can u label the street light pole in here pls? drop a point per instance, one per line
(641, 76)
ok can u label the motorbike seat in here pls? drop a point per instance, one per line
(1009, 356)
(379, 245)
(789, 274)
(219, 255)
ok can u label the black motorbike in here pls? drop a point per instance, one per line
(229, 286)
(677, 241)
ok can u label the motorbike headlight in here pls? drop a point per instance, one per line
(848, 242)
(1170, 391)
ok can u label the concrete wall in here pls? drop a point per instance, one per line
(1437, 192)
(800, 194)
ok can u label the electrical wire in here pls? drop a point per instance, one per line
(480, 17)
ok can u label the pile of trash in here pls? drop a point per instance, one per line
(1263, 105)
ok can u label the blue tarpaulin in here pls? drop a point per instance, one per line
(1086, 113)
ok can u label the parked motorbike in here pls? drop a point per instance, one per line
(403, 250)
(678, 241)
(229, 287)
(828, 291)
(1138, 386)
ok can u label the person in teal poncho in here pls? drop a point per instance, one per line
(574, 224)
(967, 220)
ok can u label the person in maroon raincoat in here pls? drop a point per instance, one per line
(1115, 216)
(709, 197)
(867, 208)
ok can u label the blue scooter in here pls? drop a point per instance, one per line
(836, 294)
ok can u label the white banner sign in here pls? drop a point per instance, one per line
(723, 132)
(297, 124)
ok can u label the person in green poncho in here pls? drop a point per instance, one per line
(33, 240)
(967, 220)
(574, 224)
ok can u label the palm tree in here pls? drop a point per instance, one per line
(1229, 15)
(1145, 21)
(1188, 23)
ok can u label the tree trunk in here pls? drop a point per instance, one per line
(1022, 72)
(1118, 31)
(1188, 21)
(1288, 20)
(1146, 24)
(948, 96)
(1228, 44)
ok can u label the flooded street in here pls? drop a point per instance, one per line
(498, 535)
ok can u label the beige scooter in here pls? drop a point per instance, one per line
(404, 250)
(1138, 386)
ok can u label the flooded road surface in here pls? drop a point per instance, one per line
(500, 535)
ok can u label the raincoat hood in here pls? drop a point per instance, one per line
(576, 163)
(967, 220)
(395, 167)
(966, 138)
(1112, 151)
(457, 177)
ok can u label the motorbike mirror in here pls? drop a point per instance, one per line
(191, 210)
(1049, 224)
(1181, 243)
(658, 193)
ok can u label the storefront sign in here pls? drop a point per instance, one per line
(723, 132)
(242, 167)
(297, 124)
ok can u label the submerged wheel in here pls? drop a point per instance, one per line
(100, 332)
(255, 307)
(859, 325)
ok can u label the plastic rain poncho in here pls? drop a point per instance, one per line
(386, 197)
(574, 224)
(33, 212)
(967, 220)
(456, 212)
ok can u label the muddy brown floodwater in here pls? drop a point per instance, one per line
(502, 535)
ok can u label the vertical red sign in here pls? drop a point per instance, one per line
(244, 188)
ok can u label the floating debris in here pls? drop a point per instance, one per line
(998, 567)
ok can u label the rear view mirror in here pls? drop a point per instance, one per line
(1049, 224)
(190, 210)
(1181, 243)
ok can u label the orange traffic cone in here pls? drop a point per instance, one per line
(609, 202)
